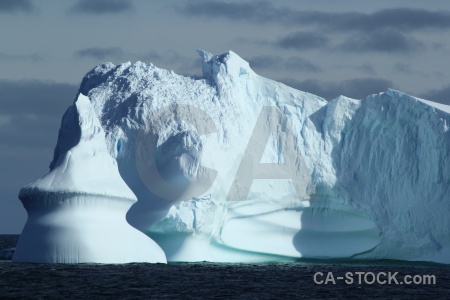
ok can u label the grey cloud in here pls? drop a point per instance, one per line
(34, 103)
(40, 131)
(404, 19)
(17, 57)
(387, 41)
(265, 62)
(100, 53)
(172, 60)
(298, 63)
(103, 53)
(100, 7)
(260, 12)
(31, 110)
(189, 67)
(439, 46)
(167, 60)
(150, 56)
(366, 68)
(303, 40)
(161, 59)
(16, 6)
(439, 95)
(402, 68)
(277, 62)
(358, 88)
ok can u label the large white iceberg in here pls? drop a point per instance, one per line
(236, 167)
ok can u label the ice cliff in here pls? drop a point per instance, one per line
(77, 212)
(236, 167)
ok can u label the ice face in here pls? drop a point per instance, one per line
(364, 179)
(81, 163)
(76, 212)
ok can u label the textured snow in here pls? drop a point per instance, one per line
(77, 212)
(375, 174)
(81, 163)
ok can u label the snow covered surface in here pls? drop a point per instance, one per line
(362, 179)
(76, 212)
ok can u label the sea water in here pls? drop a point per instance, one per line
(303, 279)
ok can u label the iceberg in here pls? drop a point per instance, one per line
(77, 212)
(235, 167)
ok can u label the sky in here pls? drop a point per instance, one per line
(325, 47)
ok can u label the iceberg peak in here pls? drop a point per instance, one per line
(228, 64)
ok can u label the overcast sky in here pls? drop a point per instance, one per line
(325, 47)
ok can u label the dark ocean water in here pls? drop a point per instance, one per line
(214, 281)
